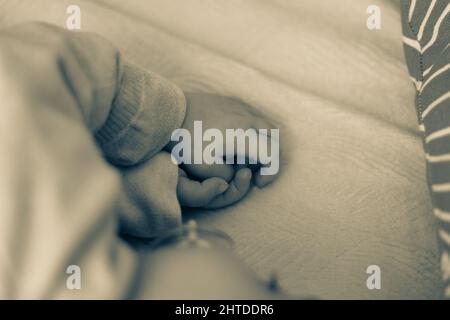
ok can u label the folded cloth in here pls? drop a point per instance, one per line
(69, 103)
(149, 205)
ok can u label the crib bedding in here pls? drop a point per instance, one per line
(352, 190)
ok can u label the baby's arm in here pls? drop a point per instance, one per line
(129, 112)
(58, 193)
(132, 114)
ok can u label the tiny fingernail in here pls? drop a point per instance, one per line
(246, 174)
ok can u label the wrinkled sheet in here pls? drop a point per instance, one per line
(352, 191)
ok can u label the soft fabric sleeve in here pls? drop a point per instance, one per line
(63, 95)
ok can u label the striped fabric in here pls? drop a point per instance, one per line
(426, 38)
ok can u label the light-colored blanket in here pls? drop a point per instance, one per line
(352, 192)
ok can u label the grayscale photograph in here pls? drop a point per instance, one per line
(224, 150)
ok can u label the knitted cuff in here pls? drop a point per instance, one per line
(145, 112)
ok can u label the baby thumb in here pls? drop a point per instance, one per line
(210, 188)
(192, 193)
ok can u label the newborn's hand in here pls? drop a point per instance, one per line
(223, 113)
(214, 192)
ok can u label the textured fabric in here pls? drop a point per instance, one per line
(58, 196)
(149, 205)
(426, 26)
(353, 174)
(146, 110)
